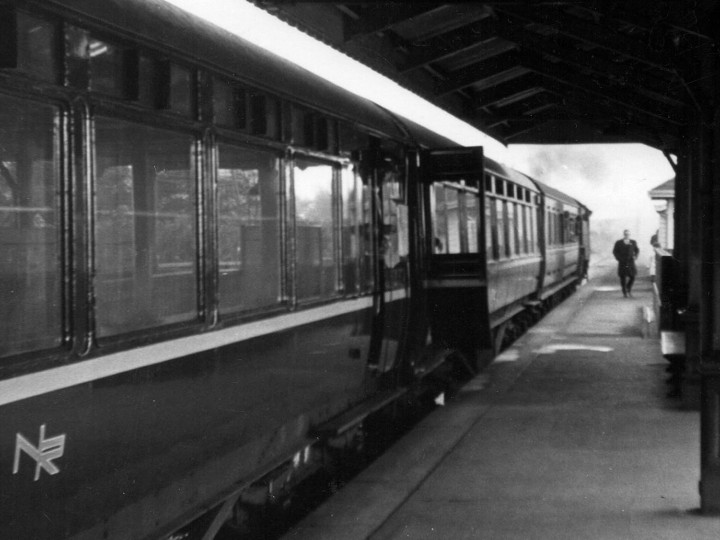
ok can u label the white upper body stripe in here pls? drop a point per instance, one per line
(35, 384)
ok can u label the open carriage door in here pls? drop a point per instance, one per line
(383, 174)
(455, 279)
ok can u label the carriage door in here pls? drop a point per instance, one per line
(455, 275)
(386, 178)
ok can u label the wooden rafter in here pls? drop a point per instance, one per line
(443, 46)
(652, 17)
(623, 74)
(484, 74)
(495, 94)
(378, 18)
(590, 101)
(597, 35)
(520, 96)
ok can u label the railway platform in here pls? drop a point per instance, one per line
(567, 435)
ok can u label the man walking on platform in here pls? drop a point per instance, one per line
(626, 251)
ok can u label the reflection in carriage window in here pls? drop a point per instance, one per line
(439, 218)
(248, 228)
(181, 90)
(225, 104)
(548, 227)
(145, 227)
(511, 228)
(316, 257)
(394, 242)
(357, 246)
(456, 217)
(30, 295)
(525, 231)
(472, 218)
(491, 240)
(501, 228)
(37, 47)
(107, 68)
(452, 210)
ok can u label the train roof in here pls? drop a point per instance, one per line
(165, 27)
(493, 167)
(557, 195)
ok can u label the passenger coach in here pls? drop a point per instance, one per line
(215, 267)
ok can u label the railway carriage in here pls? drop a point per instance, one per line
(215, 267)
(514, 248)
(563, 217)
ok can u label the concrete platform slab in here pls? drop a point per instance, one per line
(567, 435)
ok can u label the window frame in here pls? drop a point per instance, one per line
(214, 224)
(292, 227)
(178, 126)
(65, 230)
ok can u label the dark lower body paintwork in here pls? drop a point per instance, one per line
(145, 447)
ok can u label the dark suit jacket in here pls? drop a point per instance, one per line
(625, 254)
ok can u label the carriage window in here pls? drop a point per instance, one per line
(224, 106)
(533, 229)
(181, 95)
(395, 233)
(439, 222)
(499, 186)
(511, 228)
(549, 228)
(350, 238)
(517, 225)
(30, 296)
(558, 228)
(77, 56)
(529, 228)
(472, 218)
(501, 234)
(308, 129)
(452, 213)
(351, 139)
(490, 229)
(446, 220)
(264, 115)
(316, 257)
(456, 215)
(571, 232)
(106, 68)
(36, 48)
(145, 227)
(509, 236)
(248, 228)
(357, 247)
(149, 81)
(368, 254)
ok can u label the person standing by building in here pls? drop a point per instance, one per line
(655, 243)
(625, 252)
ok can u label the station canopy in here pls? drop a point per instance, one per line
(538, 71)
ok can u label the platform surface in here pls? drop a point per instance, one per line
(567, 435)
